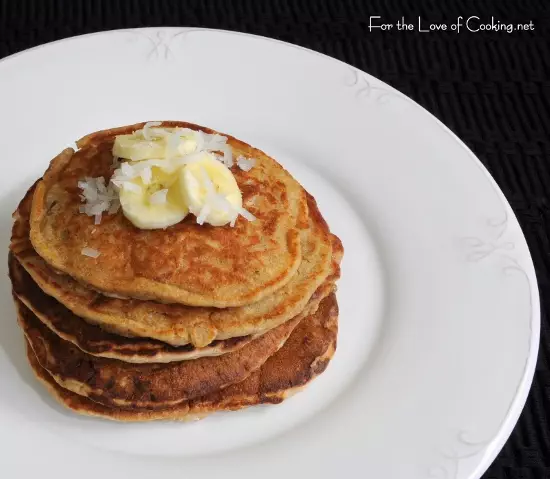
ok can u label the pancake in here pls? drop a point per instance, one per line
(156, 386)
(304, 356)
(176, 324)
(97, 342)
(197, 265)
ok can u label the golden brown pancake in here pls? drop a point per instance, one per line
(156, 386)
(97, 342)
(197, 265)
(304, 356)
(83, 405)
(178, 324)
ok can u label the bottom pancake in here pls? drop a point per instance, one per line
(116, 383)
(304, 356)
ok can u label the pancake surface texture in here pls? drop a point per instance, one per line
(304, 356)
(156, 386)
(94, 340)
(187, 263)
(178, 324)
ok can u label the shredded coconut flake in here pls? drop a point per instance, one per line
(215, 142)
(159, 197)
(146, 175)
(92, 253)
(96, 196)
(227, 156)
(100, 185)
(115, 206)
(222, 203)
(146, 133)
(172, 144)
(199, 138)
(203, 214)
(245, 164)
(246, 214)
(127, 170)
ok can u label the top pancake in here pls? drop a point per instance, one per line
(177, 324)
(197, 265)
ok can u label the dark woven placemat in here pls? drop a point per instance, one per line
(492, 88)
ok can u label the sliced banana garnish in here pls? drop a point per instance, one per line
(174, 171)
(134, 148)
(154, 143)
(153, 205)
(210, 191)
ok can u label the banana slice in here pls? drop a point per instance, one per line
(210, 191)
(153, 202)
(136, 147)
(171, 172)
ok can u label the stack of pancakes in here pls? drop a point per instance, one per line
(180, 322)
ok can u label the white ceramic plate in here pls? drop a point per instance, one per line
(439, 321)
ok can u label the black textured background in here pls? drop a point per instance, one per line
(492, 89)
